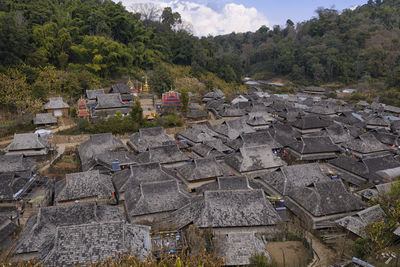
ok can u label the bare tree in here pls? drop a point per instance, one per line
(148, 11)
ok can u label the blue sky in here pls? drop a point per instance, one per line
(278, 11)
(214, 17)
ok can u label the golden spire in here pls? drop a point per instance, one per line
(146, 86)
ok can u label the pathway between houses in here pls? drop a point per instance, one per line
(324, 256)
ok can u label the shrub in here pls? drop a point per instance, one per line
(260, 260)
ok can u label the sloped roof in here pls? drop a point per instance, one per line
(163, 154)
(199, 133)
(27, 141)
(92, 94)
(255, 139)
(201, 169)
(378, 120)
(356, 223)
(44, 118)
(96, 145)
(246, 208)
(149, 137)
(310, 122)
(79, 244)
(108, 157)
(314, 144)
(197, 114)
(156, 197)
(141, 173)
(366, 143)
(233, 128)
(84, 185)
(41, 227)
(326, 198)
(283, 134)
(16, 163)
(232, 112)
(120, 88)
(233, 183)
(56, 103)
(253, 159)
(110, 101)
(338, 133)
(216, 94)
(291, 177)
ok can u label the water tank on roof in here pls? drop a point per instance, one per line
(115, 165)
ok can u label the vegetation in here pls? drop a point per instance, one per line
(170, 260)
(379, 235)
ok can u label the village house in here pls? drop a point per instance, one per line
(113, 161)
(313, 90)
(41, 227)
(96, 145)
(19, 165)
(141, 173)
(284, 134)
(76, 245)
(197, 115)
(310, 124)
(7, 228)
(367, 169)
(216, 149)
(338, 133)
(254, 159)
(356, 223)
(57, 107)
(258, 138)
(86, 186)
(150, 201)
(28, 144)
(169, 155)
(232, 129)
(124, 90)
(44, 119)
(197, 134)
(313, 148)
(215, 94)
(110, 104)
(375, 191)
(148, 138)
(282, 181)
(321, 203)
(366, 145)
(377, 121)
(91, 97)
(200, 171)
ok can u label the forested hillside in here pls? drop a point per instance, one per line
(71, 45)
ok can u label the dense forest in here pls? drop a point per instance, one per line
(67, 46)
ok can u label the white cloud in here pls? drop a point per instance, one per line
(229, 18)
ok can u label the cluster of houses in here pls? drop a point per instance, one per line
(264, 161)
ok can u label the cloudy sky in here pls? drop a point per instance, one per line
(213, 17)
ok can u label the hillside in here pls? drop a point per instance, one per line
(64, 47)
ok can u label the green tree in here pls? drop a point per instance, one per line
(137, 113)
(184, 101)
(161, 80)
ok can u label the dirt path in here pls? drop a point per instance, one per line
(288, 253)
(323, 255)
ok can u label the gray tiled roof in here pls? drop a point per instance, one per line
(310, 122)
(92, 94)
(163, 154)
(27, 141)
(366, 143)
(84, 185)
(253, 159)
(246, 208)
(314, 144)
(16, 163)
(357, 222)
(44, 118)
(79, 244)
(326, 198)
(96, 145)
(201, 169)
(141, 173)
(289, 178)
(120, 88)
(232, 129)
(56, 103)
(155, 197)
(149, 137)
(198, 133)
(41, 227)
(107, 101)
